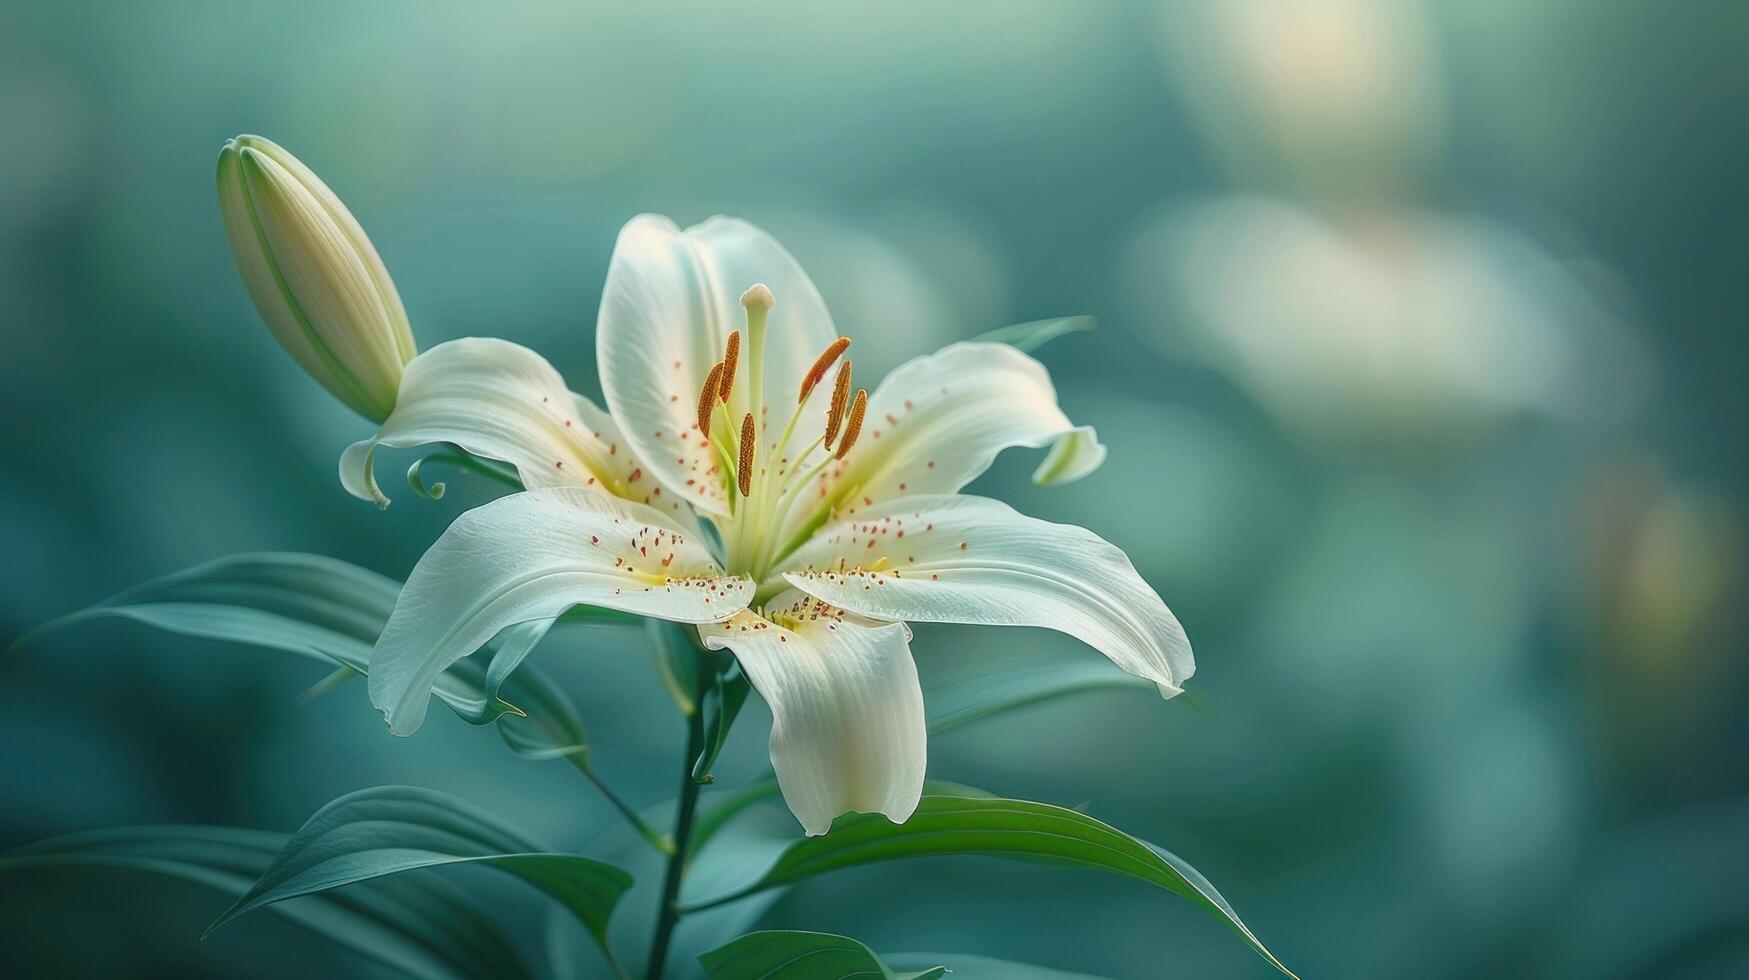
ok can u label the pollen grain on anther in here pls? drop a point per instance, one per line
(707, 398)
(731, 355)
(744, 467)
(853, 426)
(840, 402)
(822, 364)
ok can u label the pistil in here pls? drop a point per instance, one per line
(765, 482)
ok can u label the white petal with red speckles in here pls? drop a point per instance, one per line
(529, 557)
(671, 300)
(503, 401)
(847, 731)
(960, 559)
(938, 421)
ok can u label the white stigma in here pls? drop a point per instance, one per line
(758, 296)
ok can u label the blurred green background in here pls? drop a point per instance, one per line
(1419, 359)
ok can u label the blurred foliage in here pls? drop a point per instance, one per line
(1418, 360)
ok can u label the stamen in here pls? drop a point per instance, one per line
(840, 402)
(853, 428)
(821, 366)
(744, 471)
(731, 354)
(707, 398)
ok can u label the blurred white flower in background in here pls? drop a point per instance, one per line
(1347, 307)
(1401, 323)
(1330, 94)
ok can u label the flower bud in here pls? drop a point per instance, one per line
(314, 276)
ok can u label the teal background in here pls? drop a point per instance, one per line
(1419, 360)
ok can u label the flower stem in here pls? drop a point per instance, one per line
(668, 913)
(651, 835)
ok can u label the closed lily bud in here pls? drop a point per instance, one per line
(313, 274)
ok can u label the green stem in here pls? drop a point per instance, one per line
(734, 896)
(651, 835)
(668, 913)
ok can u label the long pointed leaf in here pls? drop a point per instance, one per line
(330, 610)
(984, 967)
(996, 827)
(417, 925)
(1031, 336)
(969, 695)
(722, 703)
(784, 954)
(390, 829)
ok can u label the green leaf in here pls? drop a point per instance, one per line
(332, 611)
(1031, 336)
(676, 657)
(390, 829)
(722, 703)
(974, 694)
(725, 807)
(549, 727)
(996, 827)
(417, 925)
(791, 955)
(501, 473)
(984, 967)
(305, 604)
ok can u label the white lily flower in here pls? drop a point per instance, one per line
(739, 485)
(314, 275)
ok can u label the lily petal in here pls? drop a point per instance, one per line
(1075, 454)
(847, 729)
(503, 401)
(528, 557)
(671, 300)
(961, 559)
(938, 421)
